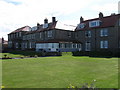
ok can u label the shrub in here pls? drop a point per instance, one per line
(21, 57)
(5, 55)
(86, 86)
(36, 56)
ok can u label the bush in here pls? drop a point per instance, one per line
(36, 56)
(86, 86)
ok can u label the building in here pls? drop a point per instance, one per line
(3, 45)
(44, 36)
(15, 38)
(100, 34)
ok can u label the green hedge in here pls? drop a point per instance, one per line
(97, 54)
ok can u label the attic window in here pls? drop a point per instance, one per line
(82, 25)
(94, 23)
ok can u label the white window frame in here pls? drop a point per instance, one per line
(26, 45)
(88, 33)
(104, 44)
(20, 34)
(88, 46)
(82, 25)
(94, 23)
(40, 35)
(16, 45)
(30, 44)
(49, 33)
(104, 32)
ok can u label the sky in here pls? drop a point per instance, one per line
(18, 13)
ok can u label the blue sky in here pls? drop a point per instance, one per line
(18, 13)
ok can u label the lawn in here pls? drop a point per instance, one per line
(59, 72)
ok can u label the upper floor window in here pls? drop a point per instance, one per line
(40, 35)
(88, 34)
(103, 44)
(94, 23)
(49, 33)
(19, 34)
(69, 34)
(104, 32)
(82, 25)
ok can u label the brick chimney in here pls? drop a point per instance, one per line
(45, 21)
(101, 15)
(81, 19)
(53, 19)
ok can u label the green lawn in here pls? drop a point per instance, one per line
(59, 72)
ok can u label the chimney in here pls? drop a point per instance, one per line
(2, 40)
(53, 19)
(101, 15)
(112, 14)
(45, 21)
(38, 25)
(81, 19)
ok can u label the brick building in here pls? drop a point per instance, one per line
(94, 35)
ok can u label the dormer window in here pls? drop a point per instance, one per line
(82, 25)
(94, 23)
(45, 25)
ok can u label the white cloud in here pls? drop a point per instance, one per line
(109, 7)
(29, 12)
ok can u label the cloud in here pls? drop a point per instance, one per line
(18, 13)
(109, 7)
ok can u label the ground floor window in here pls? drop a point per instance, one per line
(10, 44)
(16, 45)
(25, 45)
(87, 46)
(103, 44)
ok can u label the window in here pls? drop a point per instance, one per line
(49, 33)
(82, 25)
(16, 34)
(87, 46)
(9, 44)
(45, 25)
(26, 45)
(103, 44)
(30, 45)
(69, 34)
(88, 34)
(40, 35)
(16, 45)
(94, 23)
(19, 34)
(104, 32)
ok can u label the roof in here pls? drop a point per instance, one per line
(107, 21)
(5, 41)
(51, 25)
(25, 28)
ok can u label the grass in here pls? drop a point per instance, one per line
(59, 72)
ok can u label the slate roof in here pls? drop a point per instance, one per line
(107, 21)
